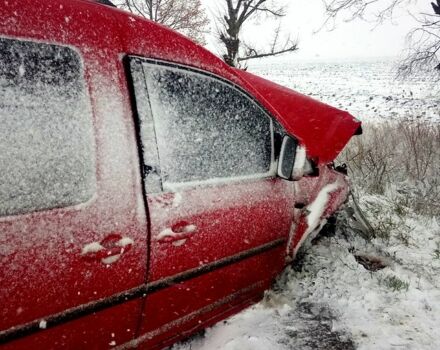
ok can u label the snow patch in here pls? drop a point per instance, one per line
(316, 210)
(180, 242)
(300, 161)
(168, 232)
(165, 233)
(177, 199)
(93, 247)
(111, 259)
(190, 229)
(318, 206)
(125, 241)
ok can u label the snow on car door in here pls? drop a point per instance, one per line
(219, 217)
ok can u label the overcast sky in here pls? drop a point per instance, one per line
(348, 40)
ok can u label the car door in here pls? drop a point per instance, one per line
(72, 222)
(219, 217)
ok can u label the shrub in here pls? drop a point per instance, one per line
(404, 157)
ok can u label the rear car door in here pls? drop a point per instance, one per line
(219, 217)
(72, 221)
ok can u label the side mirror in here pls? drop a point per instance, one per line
(287, 158)
(293, 163)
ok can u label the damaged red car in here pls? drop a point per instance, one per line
(147, 189)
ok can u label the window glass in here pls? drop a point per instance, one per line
(46, 143)
(205, 129)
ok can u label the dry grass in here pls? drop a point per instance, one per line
(404, 157)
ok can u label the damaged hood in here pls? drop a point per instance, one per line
(322, 129)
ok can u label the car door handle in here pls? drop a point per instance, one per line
(176, 232)
(109, 250)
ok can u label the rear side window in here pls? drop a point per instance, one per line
(46, 141)
(205, 129)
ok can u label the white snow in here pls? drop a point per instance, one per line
(300, 160)
(315, 212)
(168, 232)
(367, 88)
(317, 207)
(180, 242)
(124, 241)
(93, 247)
(111, 259)
(189, 229)
(177, 199)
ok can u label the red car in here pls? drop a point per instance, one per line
(145, 187)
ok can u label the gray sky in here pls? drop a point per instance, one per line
(348, 40)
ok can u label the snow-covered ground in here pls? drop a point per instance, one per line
(368, 88)
(328, 299)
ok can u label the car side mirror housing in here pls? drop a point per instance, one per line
(293, 163)
(287, 157)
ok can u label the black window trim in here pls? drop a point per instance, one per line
(176, 187)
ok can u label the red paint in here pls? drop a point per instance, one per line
(324, 129)
(43, 271)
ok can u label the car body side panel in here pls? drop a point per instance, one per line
(98, 331)
(230, 220)
(206, 299)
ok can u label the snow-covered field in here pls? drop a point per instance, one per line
(367, 88)
(329, 299)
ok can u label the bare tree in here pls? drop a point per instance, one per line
(423, 42)
(383, 9)
(423, 45)
(236, 14)
(185, 16)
